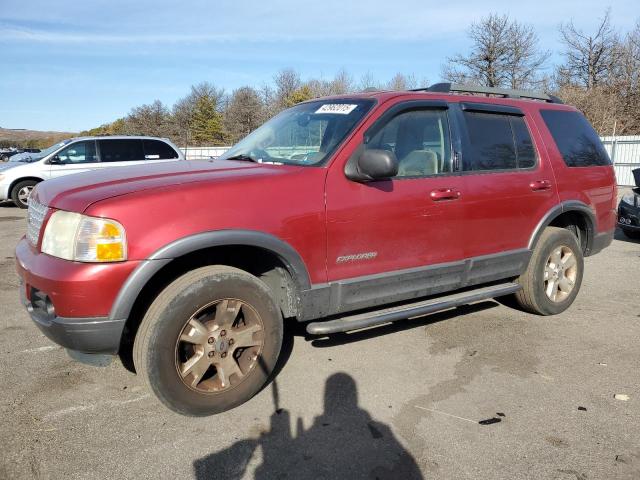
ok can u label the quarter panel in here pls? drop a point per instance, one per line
(595, 186)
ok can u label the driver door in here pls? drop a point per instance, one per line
(78, 157)
(400, 238)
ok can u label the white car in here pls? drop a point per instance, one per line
(17, 178)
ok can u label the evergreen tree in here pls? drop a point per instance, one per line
(206, 125)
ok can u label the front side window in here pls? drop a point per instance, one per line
(576, 139)
(306, 134)
(420, 141)
(125, 150)
(158, 150)
(498, 142)
(79, 152)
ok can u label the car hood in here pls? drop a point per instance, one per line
(9, 165)
(77, 192)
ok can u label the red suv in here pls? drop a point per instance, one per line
(350, 211)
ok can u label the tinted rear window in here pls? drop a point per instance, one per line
(158, 150)
(576, 139)
(491, 141)
(121, 150)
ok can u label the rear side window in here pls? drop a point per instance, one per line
(121, 150)
(498, 142)
(491, 140)
(576, 139)
(158, 150)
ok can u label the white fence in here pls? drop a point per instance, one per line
(625, 155)
(203, 153)
(623, 151)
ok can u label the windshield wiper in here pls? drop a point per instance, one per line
(243, 158)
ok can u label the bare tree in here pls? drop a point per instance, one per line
(401, 81)
(627, 82)
(503, 53)
(486, 64)
(590, 58)
(286, 83)
(524, 62)
(342, 83)
(152, 119)
(244, 113)
(367, 81)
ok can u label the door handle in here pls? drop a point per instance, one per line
(540, 185)
(444, 194)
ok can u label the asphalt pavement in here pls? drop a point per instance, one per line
(483, 391)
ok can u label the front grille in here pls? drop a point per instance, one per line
(35, 217)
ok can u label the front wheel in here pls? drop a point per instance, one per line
(210, 340)
(21, 192)
(554, 275)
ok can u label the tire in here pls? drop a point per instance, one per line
(197, 299)
(17, 193)
(542, 271)
(633, 234)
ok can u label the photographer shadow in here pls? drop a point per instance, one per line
(344, 442)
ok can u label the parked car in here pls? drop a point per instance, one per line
(25, 153)
(629, 210)
(5, 155)
(348, 212)
(24, 171)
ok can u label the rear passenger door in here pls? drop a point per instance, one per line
(509, 185)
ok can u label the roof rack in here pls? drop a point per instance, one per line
(502, 92)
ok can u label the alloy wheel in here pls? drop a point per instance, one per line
(560, 273)
(219, 345)
(24, 193)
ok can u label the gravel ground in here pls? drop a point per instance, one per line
(399, 401)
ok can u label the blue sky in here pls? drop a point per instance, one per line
(72, 65)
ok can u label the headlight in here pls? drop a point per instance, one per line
(628, 198)
(80, 238)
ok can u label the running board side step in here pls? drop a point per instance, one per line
(410, 310)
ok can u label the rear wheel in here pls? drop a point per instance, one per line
(209, 341)
(554, 275)
(21, 192)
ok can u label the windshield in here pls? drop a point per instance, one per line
(33, 157)
(306, 134)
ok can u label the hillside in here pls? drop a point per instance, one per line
(30, 138)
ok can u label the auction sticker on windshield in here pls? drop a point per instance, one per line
(339, 108)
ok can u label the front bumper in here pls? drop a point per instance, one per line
(71, 301)
(4, 191)
(87, 335)
(628, 217)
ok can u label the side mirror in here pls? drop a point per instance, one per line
(373, 165)
(55, 160)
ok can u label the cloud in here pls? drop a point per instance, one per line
(225, 21)
(25, 35)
